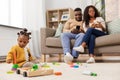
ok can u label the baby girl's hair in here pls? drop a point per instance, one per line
(25, 33)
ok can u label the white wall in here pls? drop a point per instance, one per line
(4, 12)
(11, 12)
(112, 9)
(8, 38)
(57, 4)
(15, 12)
(34, 19)
(112, 6)
(33, 13)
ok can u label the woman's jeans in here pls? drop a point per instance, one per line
(90, 36)
(66, 42)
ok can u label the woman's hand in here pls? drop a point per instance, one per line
(99, 25)
(96, 25)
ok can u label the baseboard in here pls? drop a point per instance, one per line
(2, 58)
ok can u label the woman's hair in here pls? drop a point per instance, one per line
(25, 33)
(86, 16)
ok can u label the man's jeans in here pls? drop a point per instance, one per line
(66, 38)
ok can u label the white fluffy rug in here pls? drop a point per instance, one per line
(105, 71)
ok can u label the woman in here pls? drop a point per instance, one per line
(94, 27)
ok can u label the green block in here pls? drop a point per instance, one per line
(94, 74)
(15, 66)
(35, 67)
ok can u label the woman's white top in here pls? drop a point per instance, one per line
(98, 19)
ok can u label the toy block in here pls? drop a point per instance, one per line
(39, 72)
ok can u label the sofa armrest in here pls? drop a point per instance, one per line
(44, 33)
(108, 40)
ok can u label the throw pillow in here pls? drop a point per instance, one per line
(59, 30)
(114, 26)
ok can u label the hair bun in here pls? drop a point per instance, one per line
(21, 32)
(29, 33)
(25, 30)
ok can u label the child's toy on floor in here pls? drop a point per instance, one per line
(34, 71)
(58, 73)
(10, 72)
(89, 73)
(21, 70)
(35, 67)
(79, 63)
(14, 67)
(74, 66)
(45, 65)
(56, 63)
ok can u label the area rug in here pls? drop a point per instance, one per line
(104, 71)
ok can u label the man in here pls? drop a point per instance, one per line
(72, 30)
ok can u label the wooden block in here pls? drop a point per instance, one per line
(21, 70)
(29, 72)
(40, 72)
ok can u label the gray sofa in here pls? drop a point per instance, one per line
(52, 45)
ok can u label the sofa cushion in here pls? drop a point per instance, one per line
(107, 40)
(55, 42)
(114, 26)
(59, 30)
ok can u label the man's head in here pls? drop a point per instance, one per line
(78, 14)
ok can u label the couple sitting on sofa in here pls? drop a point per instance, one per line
(84, 32)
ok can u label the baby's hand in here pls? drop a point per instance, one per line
(9, 61)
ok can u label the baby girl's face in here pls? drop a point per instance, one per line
(22, 41)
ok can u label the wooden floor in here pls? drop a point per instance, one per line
(84, 57)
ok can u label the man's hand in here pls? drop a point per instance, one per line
(75, 31)
(9, 61)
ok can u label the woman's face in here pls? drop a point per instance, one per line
(91, 12)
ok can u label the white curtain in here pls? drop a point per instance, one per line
(34, 19)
